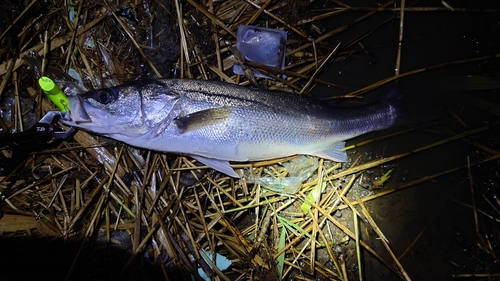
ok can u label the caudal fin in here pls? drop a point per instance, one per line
(413, 107)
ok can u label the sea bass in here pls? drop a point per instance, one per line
(216, 122)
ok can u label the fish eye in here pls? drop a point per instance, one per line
(104, 96)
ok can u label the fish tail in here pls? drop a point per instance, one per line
(407, 107)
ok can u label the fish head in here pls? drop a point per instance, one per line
(131, 109)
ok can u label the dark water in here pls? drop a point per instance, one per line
(435, 211)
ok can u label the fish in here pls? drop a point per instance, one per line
(217, 123)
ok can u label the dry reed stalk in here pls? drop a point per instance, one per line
(416, 71)
(417, 237)
(319, 68)
(69, 50)
(299, 32)
(190, 226)
(152, 231)
(212, 17)
(400, 37)
(54, 44)
(258, 13)
(358, 248)
(475, 275)
(374, 163)
(486, 246)
(421, 180)
(383, 239)
(6, 75)
(214, 267)
(337, 10)
(131, 37)
(343, 266)
(327, 215)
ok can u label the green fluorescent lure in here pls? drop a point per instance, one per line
(54, 93)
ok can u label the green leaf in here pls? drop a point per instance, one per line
(281, 258)
(385, 177)
(305, 207)
(292, 226)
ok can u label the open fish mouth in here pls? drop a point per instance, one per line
(77, 113)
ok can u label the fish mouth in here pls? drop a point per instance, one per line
(77, 113)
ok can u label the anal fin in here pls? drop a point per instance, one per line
(335, 153)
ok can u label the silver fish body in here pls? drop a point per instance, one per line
(217, 122)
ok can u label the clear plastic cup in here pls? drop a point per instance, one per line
(263, 45)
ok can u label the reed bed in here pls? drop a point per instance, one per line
(180, 215)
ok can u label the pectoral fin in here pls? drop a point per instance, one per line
(219, 165)
(335, 153)
(200, 119)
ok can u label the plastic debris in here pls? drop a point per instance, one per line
(221, 261)
(298, 170)
(262, 45)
